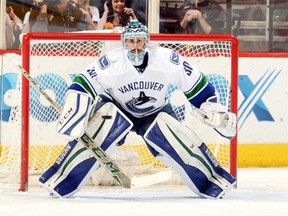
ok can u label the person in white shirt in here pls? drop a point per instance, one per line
(90, 16)
(14, 27)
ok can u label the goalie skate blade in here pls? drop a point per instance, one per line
(148, 180)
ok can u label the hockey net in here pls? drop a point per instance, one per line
(52, 59)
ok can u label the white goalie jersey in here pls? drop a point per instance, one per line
(138, 93)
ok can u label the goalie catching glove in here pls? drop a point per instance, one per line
(215, 115)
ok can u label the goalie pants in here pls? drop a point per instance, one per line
(140, 125)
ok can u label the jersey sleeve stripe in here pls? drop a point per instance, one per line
(85, 84)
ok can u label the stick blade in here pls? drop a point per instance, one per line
(152, 179)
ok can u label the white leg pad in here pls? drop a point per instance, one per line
(180, 148)
(75, 164)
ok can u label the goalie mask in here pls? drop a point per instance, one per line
(135, 39)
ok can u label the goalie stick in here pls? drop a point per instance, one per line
(100, 154)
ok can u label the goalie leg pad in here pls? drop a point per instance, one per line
(70, 171)
(180, 148)
(75, 164)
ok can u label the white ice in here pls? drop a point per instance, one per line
(260, 192)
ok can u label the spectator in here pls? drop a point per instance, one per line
(94, 11)
(90, 17)
(63, 16)
(20, 7)
(36, 19)
(203, 16)
(10, 38)
(14, 22)
(116, 14)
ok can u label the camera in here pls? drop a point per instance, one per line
(188, 5)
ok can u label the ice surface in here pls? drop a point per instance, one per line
(260, 192)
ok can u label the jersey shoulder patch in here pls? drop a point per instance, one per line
(104, 62)
(174, 58)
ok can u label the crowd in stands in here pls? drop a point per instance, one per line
(197, 16)
(24, 16)
(84, 15)
(190, 16)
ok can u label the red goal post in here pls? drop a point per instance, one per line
(53, 58)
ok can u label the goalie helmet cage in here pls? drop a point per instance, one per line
(45, 53)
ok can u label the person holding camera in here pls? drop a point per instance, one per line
(115, 14)
(64, 16)
(203, 17)
(60, 16)
(52, 16)
(36, 19)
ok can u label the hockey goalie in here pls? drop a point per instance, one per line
(131, 82)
